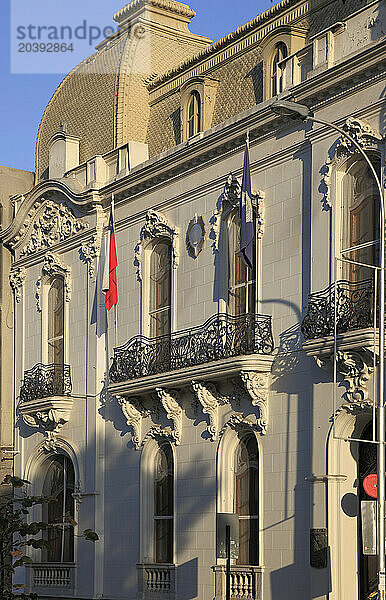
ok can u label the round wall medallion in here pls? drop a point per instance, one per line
(195, 236)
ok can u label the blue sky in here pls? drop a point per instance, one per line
(25, 90)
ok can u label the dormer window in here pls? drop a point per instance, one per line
(281, 52)
(194, 114)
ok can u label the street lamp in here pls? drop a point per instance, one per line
(301, 112)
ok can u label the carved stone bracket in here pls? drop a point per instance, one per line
(134, 413)
(17, 277)
(229, 200)
(55, 224)
(156, 225)
(356, 367)
(363, 134)
(256, 384)
(53, 265)
(210, 399)
(168, 399)
(49, 416)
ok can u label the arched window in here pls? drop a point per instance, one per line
(194, 114)
(241, 279)
(246, 499)
(160, 289)
(55, 325)
(360, 218)
(163, 504)
(280, 53)
(59, 482)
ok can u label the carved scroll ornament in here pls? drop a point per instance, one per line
(156, 225)
(168, 399)
(229, 200)
(256, 384)
(55, 224)
(17, 277)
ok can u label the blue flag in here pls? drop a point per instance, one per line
(246, 213)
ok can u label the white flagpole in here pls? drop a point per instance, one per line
(115, 306)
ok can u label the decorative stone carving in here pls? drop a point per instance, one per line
(356, 368)
(134, 413)
(55, 224)
(90, 251)
(236, 422)
(363, 134)
(156, 225)
(229, 200)
(17, 277)
(256, 384)
(210, 399)
(49, 415)
(155, 432)
(173, 410)
(53, 265)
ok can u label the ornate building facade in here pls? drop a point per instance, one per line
(203, 394)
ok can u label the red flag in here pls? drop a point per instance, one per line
(112, 291)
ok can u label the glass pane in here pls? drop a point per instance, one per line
(241, 299)
(56, 322)
(60, 484)
(163, 485)
(160, 323)
(164, 540)
(247, 482)
(249, 542)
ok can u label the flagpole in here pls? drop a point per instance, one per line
(115, 306)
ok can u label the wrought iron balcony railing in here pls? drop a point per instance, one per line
(220, 337)
(354, 309)
(43, 381)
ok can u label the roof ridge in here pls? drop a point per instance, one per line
(170, 5)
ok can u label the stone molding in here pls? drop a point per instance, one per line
(156, 225)
(356, 368)
(17, 277)
(53, 265)
(55, 224)
(168, 399)
(364, 135)
(236, 422)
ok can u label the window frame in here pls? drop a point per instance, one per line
(147, 475)
(46, 284)
(226, 493)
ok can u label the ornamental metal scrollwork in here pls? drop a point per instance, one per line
(55, 224)
(229, 200)
(168, 399)
(220, 337)
(354, 309)
(256, 384)
(364, 135)
(17, 277)
(52, 265)
(156, 225)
